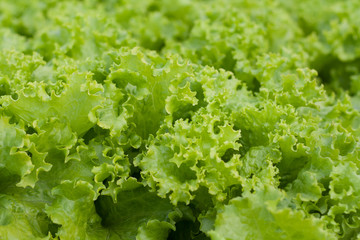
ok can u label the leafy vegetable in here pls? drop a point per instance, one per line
(180, 119)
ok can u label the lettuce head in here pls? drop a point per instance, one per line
(178, 120)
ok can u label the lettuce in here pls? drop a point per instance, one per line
(179, 119)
